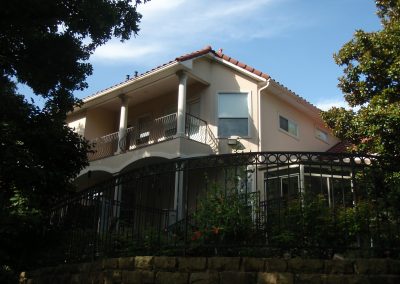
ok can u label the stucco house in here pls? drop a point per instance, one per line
(162, 139)
(201, 103)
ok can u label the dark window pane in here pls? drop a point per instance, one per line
(283, 123)
(233, 127)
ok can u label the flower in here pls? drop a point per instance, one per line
(196, 235)
(216, 230)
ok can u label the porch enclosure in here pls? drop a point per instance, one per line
(227, 204)
(152, 131)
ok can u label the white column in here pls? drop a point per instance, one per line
(181, 115)
(123, 122)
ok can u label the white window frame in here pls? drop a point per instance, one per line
(297, 135)
(319, 130)
(248, 111)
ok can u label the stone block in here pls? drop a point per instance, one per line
(96, 277)
(190, 264)
(165, 263)
(224, 263)
(393, 266)
(371, 266)
(110, 263)
(275, 278)
(384, 279)
(131, 277)
(148, 277)
(97, 266)
(253, 264)
(112, 276)
(275, 265)
(299, 265)
(164, 277)
(234, 277)
(144, 262)
(345, 279)
(204, 278)
(308, 279)
(339, 267)
(127, 263)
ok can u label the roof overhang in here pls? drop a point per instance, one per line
(132, 86)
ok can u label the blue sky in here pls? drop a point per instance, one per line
(291, 40)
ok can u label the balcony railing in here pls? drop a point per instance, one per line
(152, 132)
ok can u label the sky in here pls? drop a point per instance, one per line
(291, 40)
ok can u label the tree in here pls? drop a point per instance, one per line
(45, 44)
(371, 82)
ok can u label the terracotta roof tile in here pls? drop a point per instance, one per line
(207, 49)
(341, 147)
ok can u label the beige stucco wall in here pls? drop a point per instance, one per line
(221, 78)
(160, 106)
(171, 149)
(100, 121)
(77, 122)
(226, 79)
(274, 139)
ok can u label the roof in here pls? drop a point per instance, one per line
(341, 147)
(206, 50)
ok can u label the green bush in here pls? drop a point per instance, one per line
(223, 216)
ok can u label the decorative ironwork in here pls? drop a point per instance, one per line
(297, 202)
(104, 146)
(152, 132)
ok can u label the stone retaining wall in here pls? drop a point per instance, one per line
(219, 270)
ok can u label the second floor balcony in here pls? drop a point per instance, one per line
(151, 132)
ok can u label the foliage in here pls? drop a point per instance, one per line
(306, 222)
(371, 62)
(223, 216)
(45, 45)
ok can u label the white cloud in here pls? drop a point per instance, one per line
(329, 103)
(170, 28)
(116, 50)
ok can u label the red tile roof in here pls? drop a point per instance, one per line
(208, 49)
(341, 147)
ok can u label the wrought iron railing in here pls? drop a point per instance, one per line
(152, 132)
(197, 129)
(315, 204)
(104, 146)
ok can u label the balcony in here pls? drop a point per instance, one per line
(152, 132)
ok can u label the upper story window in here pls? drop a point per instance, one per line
(321, 135)
(233, 114)
(288, 126)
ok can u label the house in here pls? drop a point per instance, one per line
(164, 138)
(202, 103)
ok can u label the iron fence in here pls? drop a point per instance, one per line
(305, 203)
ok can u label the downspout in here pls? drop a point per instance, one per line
(259, 113)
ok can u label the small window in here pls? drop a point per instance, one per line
(288, 126)
(321, 135)
(233, 114)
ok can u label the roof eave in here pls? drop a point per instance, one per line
(235, 67)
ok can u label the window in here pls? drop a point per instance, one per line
(321, 135)
(233, 114)
(288, 126)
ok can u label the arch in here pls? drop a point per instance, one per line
(90, 178)
(143, 162)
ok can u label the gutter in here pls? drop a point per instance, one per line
(259, 112)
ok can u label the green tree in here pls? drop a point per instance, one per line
(46, 45)
(371, 82)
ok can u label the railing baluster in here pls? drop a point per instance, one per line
(160, 129)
